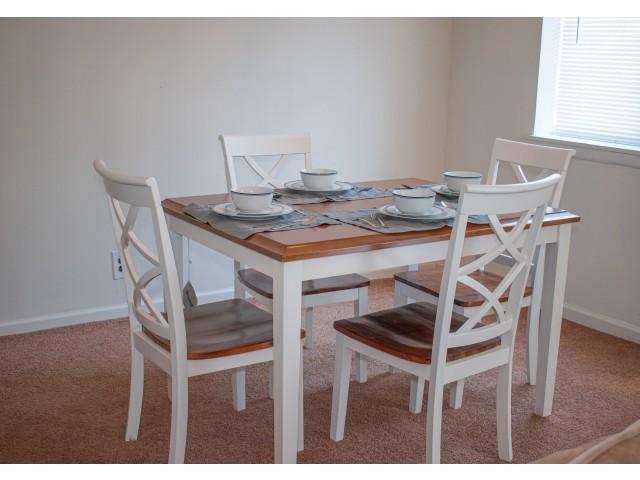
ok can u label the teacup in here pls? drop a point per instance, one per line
(456, 179)
(318, 178)
(252, 199)
(413, 201)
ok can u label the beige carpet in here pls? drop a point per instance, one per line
(64, 398)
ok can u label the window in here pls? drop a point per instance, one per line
(589, 81)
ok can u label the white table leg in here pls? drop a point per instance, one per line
(179, 246)
(555, 276)
(287, 304)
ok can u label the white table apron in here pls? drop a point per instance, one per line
(287, 304)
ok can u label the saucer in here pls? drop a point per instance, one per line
(443, 190)
(274, 210)
(434, 213)
(337, 187)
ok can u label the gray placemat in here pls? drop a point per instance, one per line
(358, 192)
(241, 228)
(360, 218)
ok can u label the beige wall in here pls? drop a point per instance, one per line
(493, 94)
(382, 97)
(150, 97)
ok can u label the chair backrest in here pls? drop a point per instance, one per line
(543, 160)
(246, 147)
(129, 198)
(525, 202)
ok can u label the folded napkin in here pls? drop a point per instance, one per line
(361, 218)
(358, 192)
(242, 228)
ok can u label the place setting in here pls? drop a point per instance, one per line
(252, 210)
(318, 185)
(412, 210)
(447, 195)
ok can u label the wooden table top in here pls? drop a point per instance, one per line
(330, 240)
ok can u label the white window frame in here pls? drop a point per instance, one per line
(590, 150)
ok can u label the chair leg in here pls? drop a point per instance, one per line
(533, 326)
(301, 408)
(416, 394)
(238, 288)
(135, 394)
(533, 317)
(308, 327)
(361, 368)
(434, 420)
(503, 412)
(238, 380)
(360, 308)
(455, 393)
(169, 387)
(340, 389)
(179, 418)
(271, 380)
(399, 299)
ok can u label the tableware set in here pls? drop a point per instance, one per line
(256, 203)
(409, 203)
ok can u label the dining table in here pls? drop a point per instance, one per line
(290, 257)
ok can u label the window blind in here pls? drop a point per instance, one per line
(590, 73)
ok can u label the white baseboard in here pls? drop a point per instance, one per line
(88, 315)
(572, 313)
(110, 312)
(602, 323)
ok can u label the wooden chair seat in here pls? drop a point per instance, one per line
(406, 332)
(263, 284)
(428, 280)
(224, 328)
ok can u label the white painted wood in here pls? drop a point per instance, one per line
(301, 404)
(181, 254)
(361, 307)
(556, 261)
(340, 388)
(308, 323)
(135, 394)
(238, 385)
(521, 244)
(348, 263)
(244, 148)
(287, 290)
(455, 393)
(128, 197)
(540, 161)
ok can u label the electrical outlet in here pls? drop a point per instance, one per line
(116, 265)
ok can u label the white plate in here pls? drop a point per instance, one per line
(274, 210)
(443, 190)
(338, 187)
(436, 213)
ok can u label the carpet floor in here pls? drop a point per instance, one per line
(64, 399)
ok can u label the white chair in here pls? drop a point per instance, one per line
(227, 335)
(440, 346)
(286, 148)
(424, 284)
